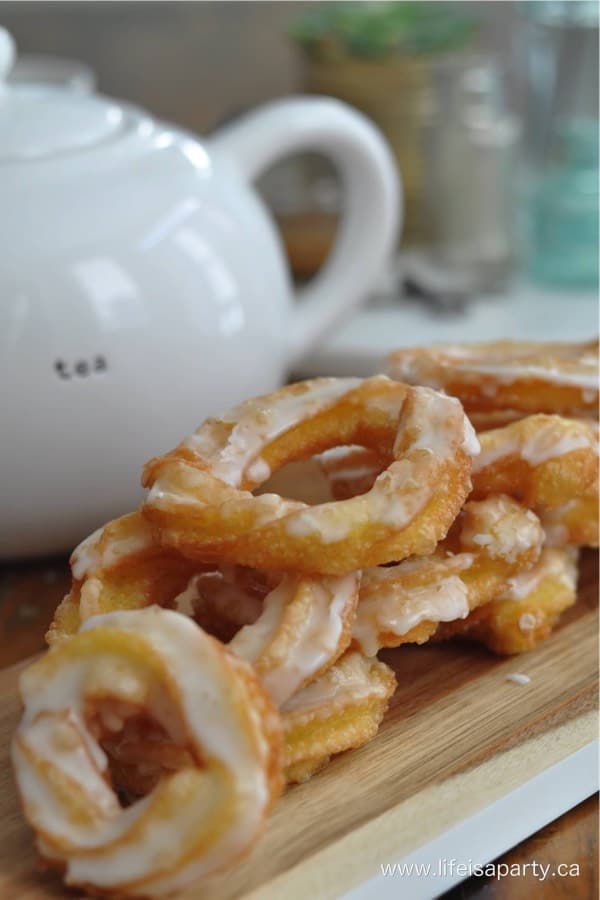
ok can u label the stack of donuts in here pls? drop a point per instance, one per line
(535, 408)
(222, 640)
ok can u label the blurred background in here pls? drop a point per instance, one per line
(491, 109)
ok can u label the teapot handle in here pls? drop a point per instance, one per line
(372, 199)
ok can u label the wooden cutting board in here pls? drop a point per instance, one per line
(457, 737)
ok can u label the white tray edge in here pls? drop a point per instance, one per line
(494, 830)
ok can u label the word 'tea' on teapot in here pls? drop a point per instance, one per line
(143, 286)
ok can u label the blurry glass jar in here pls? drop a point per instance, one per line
(472, 156)
(397, 95)
(406, 98)
(561, 178)
(386, 59)
(564, 211)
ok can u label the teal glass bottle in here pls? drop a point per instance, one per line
(564, 210)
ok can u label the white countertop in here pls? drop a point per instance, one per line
(526, 312)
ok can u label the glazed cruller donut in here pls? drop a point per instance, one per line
(547, 462)
(200, 499)
(303, 626)
(209, 704)
(492, 541)
(514, 377)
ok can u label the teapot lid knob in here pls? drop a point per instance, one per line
(7, 53)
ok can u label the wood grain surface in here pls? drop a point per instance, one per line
(29, 594)
(457, 736)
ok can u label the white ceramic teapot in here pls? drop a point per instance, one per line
(143, 287)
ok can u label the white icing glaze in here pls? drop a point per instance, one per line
(348, 463)
(185, 602)
(308, 615)
(181, 486)
(553, 563)
(63, 745)
(553, 438)
(213, 726)
(466, 362)
(520, 586)
(396, 609)
(509, 531)
(314, 640)
(508, 374)
(232, 443)
(340, 454)
(545, 445)
(491, 452)
(395, 499)
(93, 553)
(85, 558)
(434, 421)
(259, 471)
(470, 441)
(352, 472)
(401, 491)
(346, 683)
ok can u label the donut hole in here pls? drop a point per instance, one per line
(223, 601)
(139, 749)
(337, 473)
(303, 480)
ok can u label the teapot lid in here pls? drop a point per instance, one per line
(38, 122)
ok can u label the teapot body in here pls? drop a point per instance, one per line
(144, 287)
(140, 293)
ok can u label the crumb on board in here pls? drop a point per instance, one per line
(518, 678)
